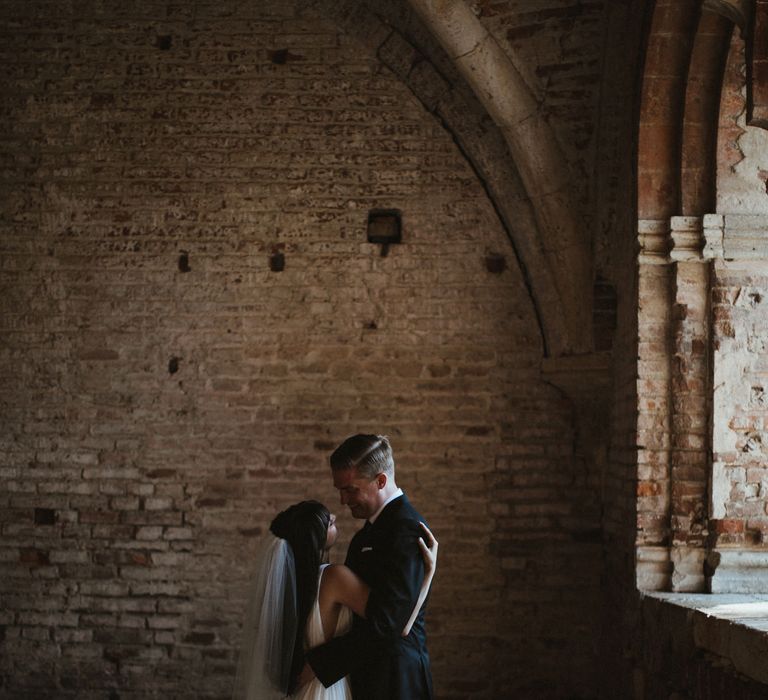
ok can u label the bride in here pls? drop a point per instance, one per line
(298, 603)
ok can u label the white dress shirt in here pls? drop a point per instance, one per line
(395, 495)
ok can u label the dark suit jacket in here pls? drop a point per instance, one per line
(381, 663)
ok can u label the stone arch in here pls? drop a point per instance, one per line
(552, 252)
(702, 106)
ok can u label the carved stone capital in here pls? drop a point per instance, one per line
(687, 233)
(653, 568)
(688, 569)
(654, 240)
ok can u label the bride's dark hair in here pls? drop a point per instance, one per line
(305, 527)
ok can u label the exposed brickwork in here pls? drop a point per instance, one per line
(705, 346)
(659, 197)
(741, 474)
(690, 405)
(738, 317)
(192, 318)
(653, 405)
(408, 49)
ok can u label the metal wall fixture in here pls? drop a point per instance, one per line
(385, 228)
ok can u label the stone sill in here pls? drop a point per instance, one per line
(733, 626)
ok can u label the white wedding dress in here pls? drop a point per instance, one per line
(314, 636)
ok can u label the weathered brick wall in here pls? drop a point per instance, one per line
(739, 289)
(164, 392)
(740, 478)
(667, 660)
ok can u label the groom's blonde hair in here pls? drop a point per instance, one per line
(368, 454)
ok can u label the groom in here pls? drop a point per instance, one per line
(382, 664)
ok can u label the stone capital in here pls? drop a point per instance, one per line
(687, 234)
(654, 239)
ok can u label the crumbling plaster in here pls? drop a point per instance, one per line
(742, 188)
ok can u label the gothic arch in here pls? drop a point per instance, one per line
(527, 186)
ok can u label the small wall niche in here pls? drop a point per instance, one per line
(384, 228)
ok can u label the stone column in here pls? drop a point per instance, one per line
(654, 303)
(689, 375)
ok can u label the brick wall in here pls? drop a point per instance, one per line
(707, 354)
(165, 390)
(739, 289)
(740, 477)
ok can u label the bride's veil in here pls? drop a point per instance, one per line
(269, 632)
